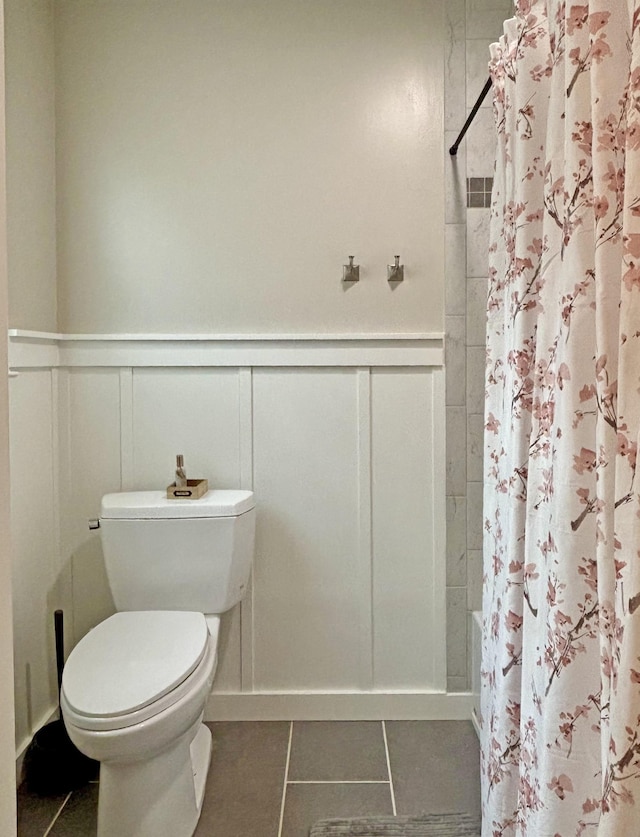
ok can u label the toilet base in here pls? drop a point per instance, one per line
(157, 797)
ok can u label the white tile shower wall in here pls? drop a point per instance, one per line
(471, 25)
(457, 571)
(455, 242)
(455, 360)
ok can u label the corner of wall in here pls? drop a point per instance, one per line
(471, 26)
(7, 731)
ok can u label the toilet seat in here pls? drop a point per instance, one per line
(135, 664)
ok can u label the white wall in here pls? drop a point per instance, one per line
(218, 160)
(30, 141)
(7, 763)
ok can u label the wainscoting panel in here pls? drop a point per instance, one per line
(195, 412)
(192, 411)
(90, 448)
(345, 612)
(407, 598)
(37, 584)
(306, 583)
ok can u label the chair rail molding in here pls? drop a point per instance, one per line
(33, 349)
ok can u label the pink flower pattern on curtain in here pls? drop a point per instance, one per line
(561, 610)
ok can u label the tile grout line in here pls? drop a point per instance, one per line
(59, 811)
(338, 782)
(286, 777)
(386, 751)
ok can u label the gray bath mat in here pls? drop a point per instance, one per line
(427, 825)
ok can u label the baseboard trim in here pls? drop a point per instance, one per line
(312, 706)
(341, 706)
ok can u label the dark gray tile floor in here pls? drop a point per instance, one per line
(276, 778)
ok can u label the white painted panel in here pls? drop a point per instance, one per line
(34, 548)
(188, 411)
(94, 434)
(194, 412)
(309, 440)
(306, 608)
(93, 449)
(405, 636)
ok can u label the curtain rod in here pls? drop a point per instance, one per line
(454, 148)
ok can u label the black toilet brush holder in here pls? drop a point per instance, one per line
(53, 764)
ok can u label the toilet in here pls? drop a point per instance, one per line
(135, 687)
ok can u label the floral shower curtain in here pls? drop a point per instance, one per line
(561, 649)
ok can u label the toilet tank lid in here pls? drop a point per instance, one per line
(151, 505)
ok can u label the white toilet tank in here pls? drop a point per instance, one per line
(165, 554)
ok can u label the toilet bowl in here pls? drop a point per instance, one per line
(133, 696)
(134, 688)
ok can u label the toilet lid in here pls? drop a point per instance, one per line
(132, 659)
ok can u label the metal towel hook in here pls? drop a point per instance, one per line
(351, 271)
(395, 272)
